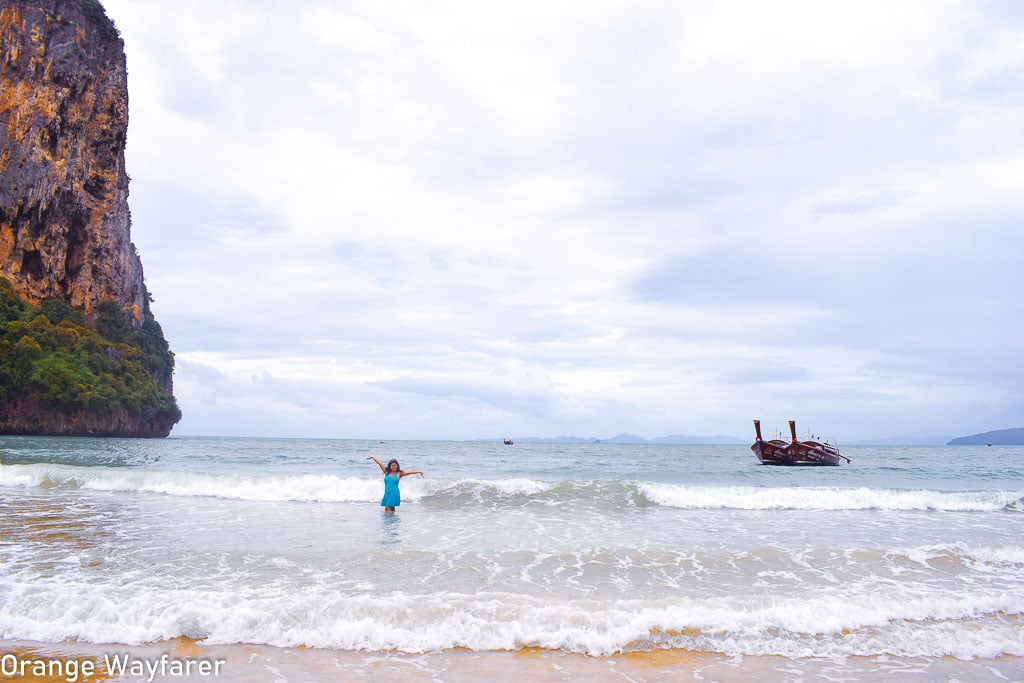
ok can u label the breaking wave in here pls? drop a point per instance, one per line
(846, 623)
(335, 489)
(828, 498)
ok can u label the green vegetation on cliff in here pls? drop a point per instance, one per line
(47, 353)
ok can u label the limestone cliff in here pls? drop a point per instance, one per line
(65, 223)
(64, 219)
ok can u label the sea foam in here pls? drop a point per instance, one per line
(331, 488)
(906, 621)
(313, 488)
(825, 498)
(302, 488)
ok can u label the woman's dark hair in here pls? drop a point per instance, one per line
(392, 460)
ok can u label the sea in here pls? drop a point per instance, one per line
(607, 561)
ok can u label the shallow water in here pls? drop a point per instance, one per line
(595, 549)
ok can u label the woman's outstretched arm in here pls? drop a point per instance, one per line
(405, 473)
(379, 464)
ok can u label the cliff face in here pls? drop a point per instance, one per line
(64, 219)
(34, 417)
(65, 234)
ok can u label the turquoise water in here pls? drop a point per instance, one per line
(595, 548)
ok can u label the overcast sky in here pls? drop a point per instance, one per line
(478, 219)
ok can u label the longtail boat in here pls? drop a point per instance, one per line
(796, 452)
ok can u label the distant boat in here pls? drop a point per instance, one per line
(778, 452)
(508, 442)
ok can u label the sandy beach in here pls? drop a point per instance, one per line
(264, 664)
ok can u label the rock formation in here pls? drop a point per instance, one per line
(64, 217)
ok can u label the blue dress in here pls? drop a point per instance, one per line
(392, 498)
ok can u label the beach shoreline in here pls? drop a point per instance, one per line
(249, 663)
(702, 568)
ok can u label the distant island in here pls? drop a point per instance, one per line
(999, 437)
(674, 439)
(936, 440)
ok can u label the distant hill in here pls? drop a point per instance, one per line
(716, 440)
(625, 439)
(902, 441)
(674, 439)
(556, 439)
(999, 437)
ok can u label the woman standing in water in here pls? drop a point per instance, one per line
(393, 473)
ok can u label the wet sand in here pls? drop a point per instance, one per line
(265, 664)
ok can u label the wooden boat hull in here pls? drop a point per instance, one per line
(802, 453)
(813, 453)
(771, 452)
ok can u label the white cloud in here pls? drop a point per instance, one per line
(460, 219)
